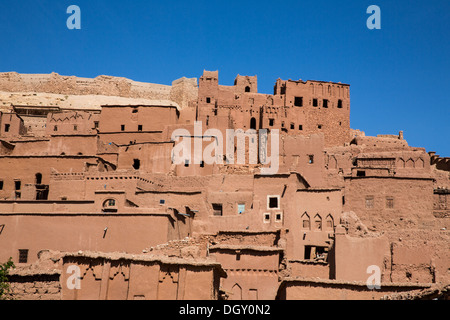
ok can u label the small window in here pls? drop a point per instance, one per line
(339, 105)
(319, 126)
(75, 127)
(325, 103)
(369, 202)
(298, 101)
(300, 127)
(135, 110)
(122, 127)
(136, 164)
(389, 203)
(7, 126)
(186, 163)
(241, 208)
(55, 128)
(17, 184)
(273, 202)
(23, 255)
(109, 205)
(1, 184)
(271, 122)
(208, 100)
(140, 127)
(311, 159)
(38, 177)
(247, 89)
(360, 173)
(266, 217)
(315, 103)
(217, 209)
(162, 202)
(202, 164)
(95, 124)
(292, 126)
(307, 255)
(278, 217)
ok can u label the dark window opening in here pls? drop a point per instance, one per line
(217, 209)
(238, 256)
(140, 127)
(23, 255)
(325, 103)
(253, 123)
(266, 217)
(55, 128)
(315, 103)
(247, 89)
(75, 127)
(17, 184)
(292, 126)
(135, 110)
(273, 202)
(7, 126)
(298, 101)
(360, 173)
(42, 194)
(307, 255)
(162, 201)
(343, 200)
(109, 205)
(38, 178)
(208, 100)
(311, 159)
(278, 217)
(136, 164)
(202, 164)
(271, 122)
(1, 184)
(339, 104)
(95, 124)
(319, 126)
(300, 127)
(186, 163)
(122, 127)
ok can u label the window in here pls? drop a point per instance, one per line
(300, 127)
(140, 127)
(208, 100)
(360, 173)
(325, 103)
(7, 126)
(241, 208)
(1, 184)
(38, 178)
(202, 164)
(23, 255)
(306, 222)
(247, 89)
(186, 163)
(55, 128)
(253, 123)
(369, 202)
(339, 104)
(318, 222)
(17, 184)
(319, 126)
(122, 127)
(307, 255)
(389, 203)
(217, 209)
(298, 101)
(315, 103)
(162, 202)
(75, 127)
(135, 110)
(136, 164)
(271, 122)
(330, 222)
(311, 159)
(278, 217)
(292, 126)
(273, 202)
(266, 217)
(95, 124)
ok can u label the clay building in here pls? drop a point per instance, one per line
(90, 180)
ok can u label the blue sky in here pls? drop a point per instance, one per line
(399, 75)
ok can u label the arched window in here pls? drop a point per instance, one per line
(109, 205)
(317, 222)
(330, 222)
(253, 123)
(306, 222)
(247, 89)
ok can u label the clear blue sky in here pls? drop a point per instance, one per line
(399, 75)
